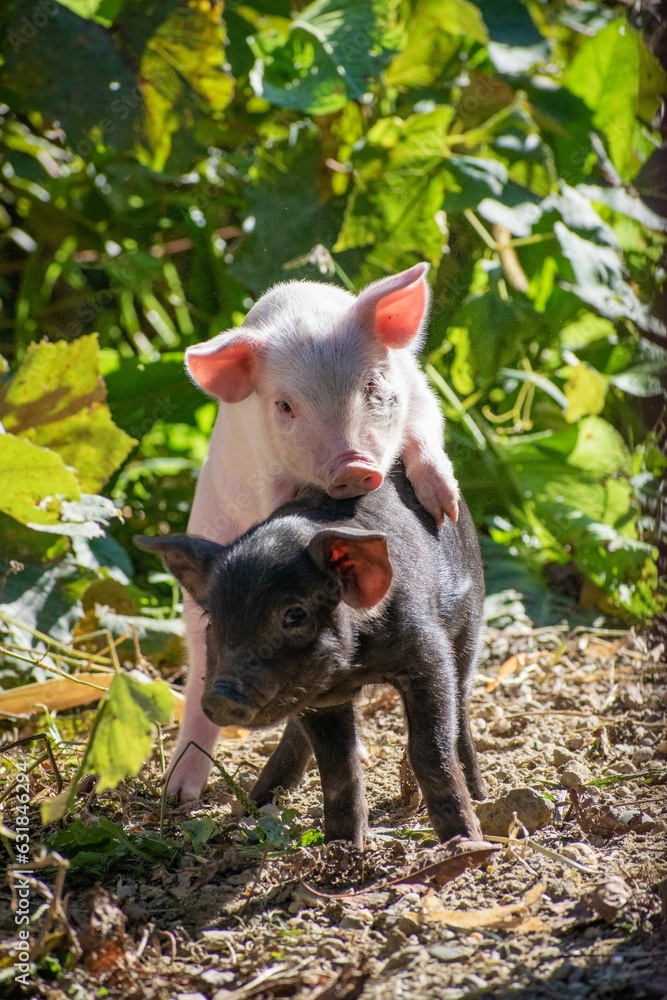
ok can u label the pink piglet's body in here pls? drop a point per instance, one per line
(316, 387)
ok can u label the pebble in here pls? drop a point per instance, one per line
(328, 950)
(217, 977)
(583, 853)
(270, 810)
(354, 921)
(642, 755)
(402, 959)
(268, 745)
(630, 696)
(408, 925)
(562, 756)
(472, 979)
(449, 952)
(574, 774)
(625, 767)
(532, 809)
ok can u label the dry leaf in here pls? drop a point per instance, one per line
(233, 733)
(596, 816)
(511, 666)
(64, 692)
(513, 916)
(609, 898)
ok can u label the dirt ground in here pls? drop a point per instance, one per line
(572, 903)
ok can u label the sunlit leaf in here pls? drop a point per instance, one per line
(605, 75)
(586, 390)
(330, 51)
(434, 35)
(35, 481)
(123, 738)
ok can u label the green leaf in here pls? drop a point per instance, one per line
(122, 739)
(200, 830)
(102, 11)
(35, 481)
(43, 598)
(56, 401)
(176, 48)
(289, 211)
(88, 442)
(586, 391)
(54, 381)
(434, 35)
(327, 54)
(605, 75)
(142, 392)
(515, 43)
(599, 281)
(43, 70)
(400, 181)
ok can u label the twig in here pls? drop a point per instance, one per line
(49, 754)
(554, 855)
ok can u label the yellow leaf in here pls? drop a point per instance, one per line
(585, 390)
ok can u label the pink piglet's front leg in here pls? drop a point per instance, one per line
(427, 465)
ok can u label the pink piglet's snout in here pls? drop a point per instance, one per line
(353, 474)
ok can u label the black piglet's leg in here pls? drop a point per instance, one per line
(286, 766)
(431, 705)
(333, 738)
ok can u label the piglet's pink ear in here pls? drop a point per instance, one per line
(396, 308)
(360, 560)
(225, 365)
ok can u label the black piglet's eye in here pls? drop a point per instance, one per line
(295, 617)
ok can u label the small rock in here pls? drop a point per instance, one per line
(408, 925)
(637, 820)
(662, 747)
(246, 779)
(449, 952)
(630, 696)
(353, 921)
(402, 959)
(625, 767)
(583, 853)
(562, 756)
(270, 810)
(475, 981)
(190, 996)
(575, 742)
(642, 755)
(609, 898)
(396, 940)
(532, 809)
(241, 878)
(328, 950)
(574, 774)
(217, 977)
(268, 744)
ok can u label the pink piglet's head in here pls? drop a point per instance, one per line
(326, 370)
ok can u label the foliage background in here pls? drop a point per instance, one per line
(162, 163)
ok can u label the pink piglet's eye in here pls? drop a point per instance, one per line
(284, 406)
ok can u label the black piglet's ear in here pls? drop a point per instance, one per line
(188, 557)
(359, 559)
